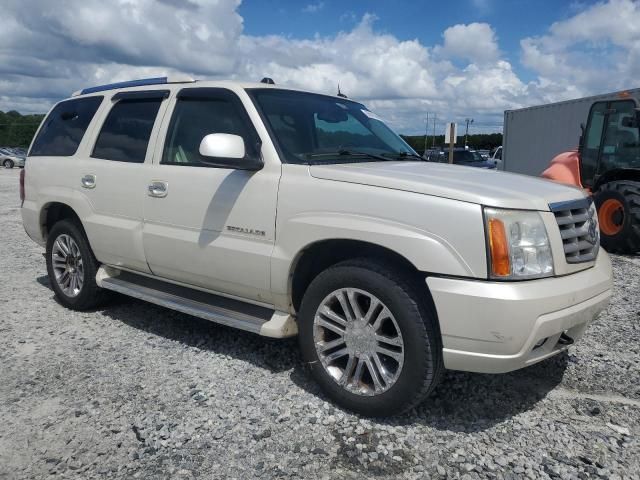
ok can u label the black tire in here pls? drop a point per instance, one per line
(90, 295)
(627, 192)
(8, 163)
(415, 317)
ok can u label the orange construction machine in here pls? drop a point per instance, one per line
(607, 163)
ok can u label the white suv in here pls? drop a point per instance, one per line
(284, 212)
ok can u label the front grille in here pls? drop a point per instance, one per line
(578, 223)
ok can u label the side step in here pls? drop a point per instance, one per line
(216, 308)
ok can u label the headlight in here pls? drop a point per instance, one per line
(518, 245)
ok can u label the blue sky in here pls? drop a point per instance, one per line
(406, 20)
(457, 58)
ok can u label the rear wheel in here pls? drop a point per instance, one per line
(370, 340)
(618, 206)
(72, 267)
(8, 163)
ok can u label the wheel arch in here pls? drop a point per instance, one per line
(53, 212)
(320, 255)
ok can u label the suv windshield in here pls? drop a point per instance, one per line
(313, 128)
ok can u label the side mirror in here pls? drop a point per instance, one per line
(225, 150)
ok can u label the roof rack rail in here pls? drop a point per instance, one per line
(134, 83)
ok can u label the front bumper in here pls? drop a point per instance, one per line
(494, 327)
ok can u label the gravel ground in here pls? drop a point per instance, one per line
(137, 391)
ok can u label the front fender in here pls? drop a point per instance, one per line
(426, 251)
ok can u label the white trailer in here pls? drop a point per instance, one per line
(534, 135)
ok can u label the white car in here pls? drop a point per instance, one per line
(284, 212)
(10, 158)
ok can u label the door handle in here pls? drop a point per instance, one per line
(158, 189)
(88, 181)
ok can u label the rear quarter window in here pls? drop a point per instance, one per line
(64, 127)
(126, 131)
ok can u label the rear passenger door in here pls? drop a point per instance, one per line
(113, 177)
(210, 227)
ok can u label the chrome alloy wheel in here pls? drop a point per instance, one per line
(67, 265)
(358, 341)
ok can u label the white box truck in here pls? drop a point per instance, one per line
(535, 135)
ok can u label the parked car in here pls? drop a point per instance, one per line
(496, 157)
(461, 156)
(284, 212)
(485, 154)
(9, 158)
(435, 156)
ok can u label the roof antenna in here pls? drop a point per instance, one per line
(340, 94)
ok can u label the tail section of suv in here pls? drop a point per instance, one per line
(284, 212)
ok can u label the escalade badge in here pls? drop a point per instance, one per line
(248, 231)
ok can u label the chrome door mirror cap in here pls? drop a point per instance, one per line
(222, 145)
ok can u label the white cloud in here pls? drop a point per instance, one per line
(475, 42)
(313, 7)
(482, 6)
(595, 51)
(367, 64)
(77, 43)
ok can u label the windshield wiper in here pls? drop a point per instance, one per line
(348, 153)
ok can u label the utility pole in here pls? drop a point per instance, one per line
(433, 143)
(466, 132)
(452, 141)
(426, 135)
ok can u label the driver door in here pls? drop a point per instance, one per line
(206, 226)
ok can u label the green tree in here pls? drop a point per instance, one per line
(17, 130)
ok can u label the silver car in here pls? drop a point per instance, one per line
(10, 158)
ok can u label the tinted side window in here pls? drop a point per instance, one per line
(590, 153)
(621, 144)
(195, 117)
(64, 128)
(125, 134)
(462, 157)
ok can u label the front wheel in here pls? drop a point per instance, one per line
(618, 205)
(72, 267)
(370, 340)
(8, 163)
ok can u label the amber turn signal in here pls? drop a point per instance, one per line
(500, 263)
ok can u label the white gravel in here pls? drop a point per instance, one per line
(137, 391)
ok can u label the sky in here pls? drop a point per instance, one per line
(453, 59)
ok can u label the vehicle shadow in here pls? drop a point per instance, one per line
(268, 353)
(471, 402)
(462, 402)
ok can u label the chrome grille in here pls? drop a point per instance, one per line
(578, 223)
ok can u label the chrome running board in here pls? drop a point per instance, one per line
(218, 309)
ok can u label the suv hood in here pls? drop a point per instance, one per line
(468, 184)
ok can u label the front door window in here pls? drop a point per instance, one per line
(592, 142)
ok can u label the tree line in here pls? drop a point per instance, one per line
(17, 130)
